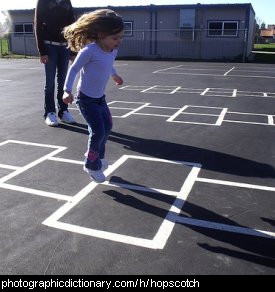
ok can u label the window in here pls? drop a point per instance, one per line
(223, 28)
(23, 28)
(128, 28)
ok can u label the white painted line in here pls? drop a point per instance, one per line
(51, 220)
(252, 76)
(205, 91)
(251, 93)
(135, 110)
(166, 227)
(158, 71)
(225, 227)
(32, 164)
(202, 69)
(65, 160)
(270, 120)
(249, 114)
(168, 224)
(203, 106)
(123, 87)
(235, 184)
(121, 108)
(265, 94)
(164, 107)
(194, 123)
(4, 143)
(3, 80)
(134, 87)
(191, 74)
(255, 70)
(199, 114)
(216, 75)
(242, 122)
(36, 144)
(6, 166)
(221, 117)
(163, 160)
(147, 243)
(234, 94)
(160, 92)
(225, 74)
(177, 113)
(120, 65)
(141, 188)
(35, 192)
(153, 115)
(149, 88)
(121, 101)
(175, 90)
(111, 102)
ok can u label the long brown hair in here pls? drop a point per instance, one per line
(89, 26)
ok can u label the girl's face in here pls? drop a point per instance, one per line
(110, 42)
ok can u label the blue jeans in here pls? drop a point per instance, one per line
(96, 113)
(58, 63)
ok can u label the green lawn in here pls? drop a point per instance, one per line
(264, 47)
(4, 48)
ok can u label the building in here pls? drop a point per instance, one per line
(268, 35)
(197, 32)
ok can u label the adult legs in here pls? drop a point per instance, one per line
(62, 67)
(50, 72)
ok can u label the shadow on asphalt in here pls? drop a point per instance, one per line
(211, 160)
(254, 249)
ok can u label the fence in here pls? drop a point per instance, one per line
(163, 44)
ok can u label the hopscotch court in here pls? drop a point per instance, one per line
(166, 227)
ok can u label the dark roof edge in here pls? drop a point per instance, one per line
(151, 7)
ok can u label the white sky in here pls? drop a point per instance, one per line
(264, 9)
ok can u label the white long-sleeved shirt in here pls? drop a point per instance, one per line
(95, 66)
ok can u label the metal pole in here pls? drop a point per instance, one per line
(244, 45)
(25, 50)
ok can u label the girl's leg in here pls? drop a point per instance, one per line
(92, 113)
(108, 124)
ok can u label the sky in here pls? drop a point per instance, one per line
(264, 9)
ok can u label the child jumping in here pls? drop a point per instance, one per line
(96, 37)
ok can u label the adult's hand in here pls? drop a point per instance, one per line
(44, 59)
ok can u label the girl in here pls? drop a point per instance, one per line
(96, 37)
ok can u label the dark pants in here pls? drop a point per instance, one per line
(96, 113)
(58, 63)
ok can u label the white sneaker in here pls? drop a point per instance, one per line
(51, 120)
(67, 118)
(105, 164)
(96, 175)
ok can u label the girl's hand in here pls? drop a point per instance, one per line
(118, 80)
(68, 97)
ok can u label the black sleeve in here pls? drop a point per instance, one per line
(72, 16)
(72, 20)
(38, 27)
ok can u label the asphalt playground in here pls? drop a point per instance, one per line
(190, 188)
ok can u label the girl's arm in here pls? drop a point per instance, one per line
(82, 58)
